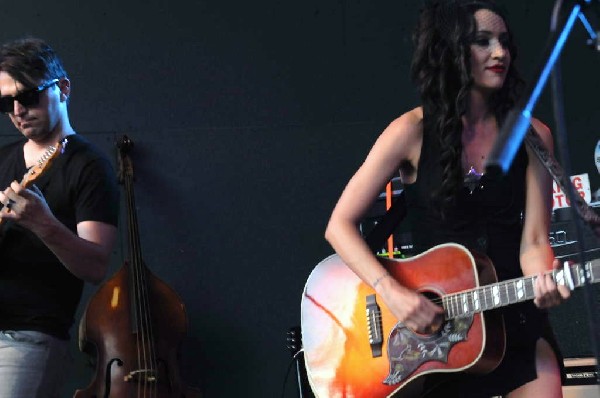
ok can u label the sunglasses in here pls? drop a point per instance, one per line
(26, 98)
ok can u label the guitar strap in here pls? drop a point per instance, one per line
(587, 214)
(397, 212)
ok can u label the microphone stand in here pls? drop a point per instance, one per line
(517, 123)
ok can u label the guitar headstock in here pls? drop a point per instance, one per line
(43, 163)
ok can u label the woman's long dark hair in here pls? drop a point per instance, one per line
(442, 72)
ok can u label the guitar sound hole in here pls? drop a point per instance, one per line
(439, 322)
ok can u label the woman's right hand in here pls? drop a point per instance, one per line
(413, 309)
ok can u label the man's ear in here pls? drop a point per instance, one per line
(64, 85)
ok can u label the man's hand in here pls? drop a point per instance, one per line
(27, 207)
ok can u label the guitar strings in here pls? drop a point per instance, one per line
(591, 269)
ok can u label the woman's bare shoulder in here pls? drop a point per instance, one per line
(409, 125)
(405, 135)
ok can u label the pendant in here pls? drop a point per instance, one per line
(472, 179)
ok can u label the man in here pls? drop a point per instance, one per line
(58, 232)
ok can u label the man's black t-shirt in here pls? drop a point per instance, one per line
(36, 291)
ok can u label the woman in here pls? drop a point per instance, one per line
(463, 66)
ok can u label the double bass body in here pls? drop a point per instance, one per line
(125, 365)
(133, 326)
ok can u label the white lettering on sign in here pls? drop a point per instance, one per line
(581, 183)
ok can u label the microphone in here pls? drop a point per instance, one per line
(507, 144)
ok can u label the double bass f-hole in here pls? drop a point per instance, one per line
(108, 374)
(134, 321)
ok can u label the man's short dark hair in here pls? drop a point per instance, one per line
(31, 61)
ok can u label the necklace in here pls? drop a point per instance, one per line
(477, 141)
(472, 179)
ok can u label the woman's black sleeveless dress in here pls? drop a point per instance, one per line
(488, 220)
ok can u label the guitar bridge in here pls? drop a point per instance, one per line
(375, 326)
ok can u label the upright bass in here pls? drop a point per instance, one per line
(134, 324)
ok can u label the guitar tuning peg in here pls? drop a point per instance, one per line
(294, 340)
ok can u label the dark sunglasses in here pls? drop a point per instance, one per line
(26, 98)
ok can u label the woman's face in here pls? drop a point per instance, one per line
(490, 57)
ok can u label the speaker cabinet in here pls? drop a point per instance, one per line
(571, 323)
(572, 328)
(581, 378)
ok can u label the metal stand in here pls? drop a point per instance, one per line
(514, 129)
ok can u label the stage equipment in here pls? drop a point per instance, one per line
(580, 379)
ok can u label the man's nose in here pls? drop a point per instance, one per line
(18, 108)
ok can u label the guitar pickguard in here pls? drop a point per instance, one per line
(407, 350)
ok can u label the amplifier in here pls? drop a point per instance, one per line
(581, 378)
(563, 235)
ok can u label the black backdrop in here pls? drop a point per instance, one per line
(248, 118)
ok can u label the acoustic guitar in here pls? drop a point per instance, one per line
(354, 347)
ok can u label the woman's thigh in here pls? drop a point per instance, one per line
(548, 381)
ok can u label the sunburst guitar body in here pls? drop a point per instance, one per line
(354, 346)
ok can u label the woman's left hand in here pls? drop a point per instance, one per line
(547, 292)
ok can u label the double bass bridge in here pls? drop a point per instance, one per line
(141, 375)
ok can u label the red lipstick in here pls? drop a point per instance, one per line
(497, 68)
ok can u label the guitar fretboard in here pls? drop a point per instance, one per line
(513, 291)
